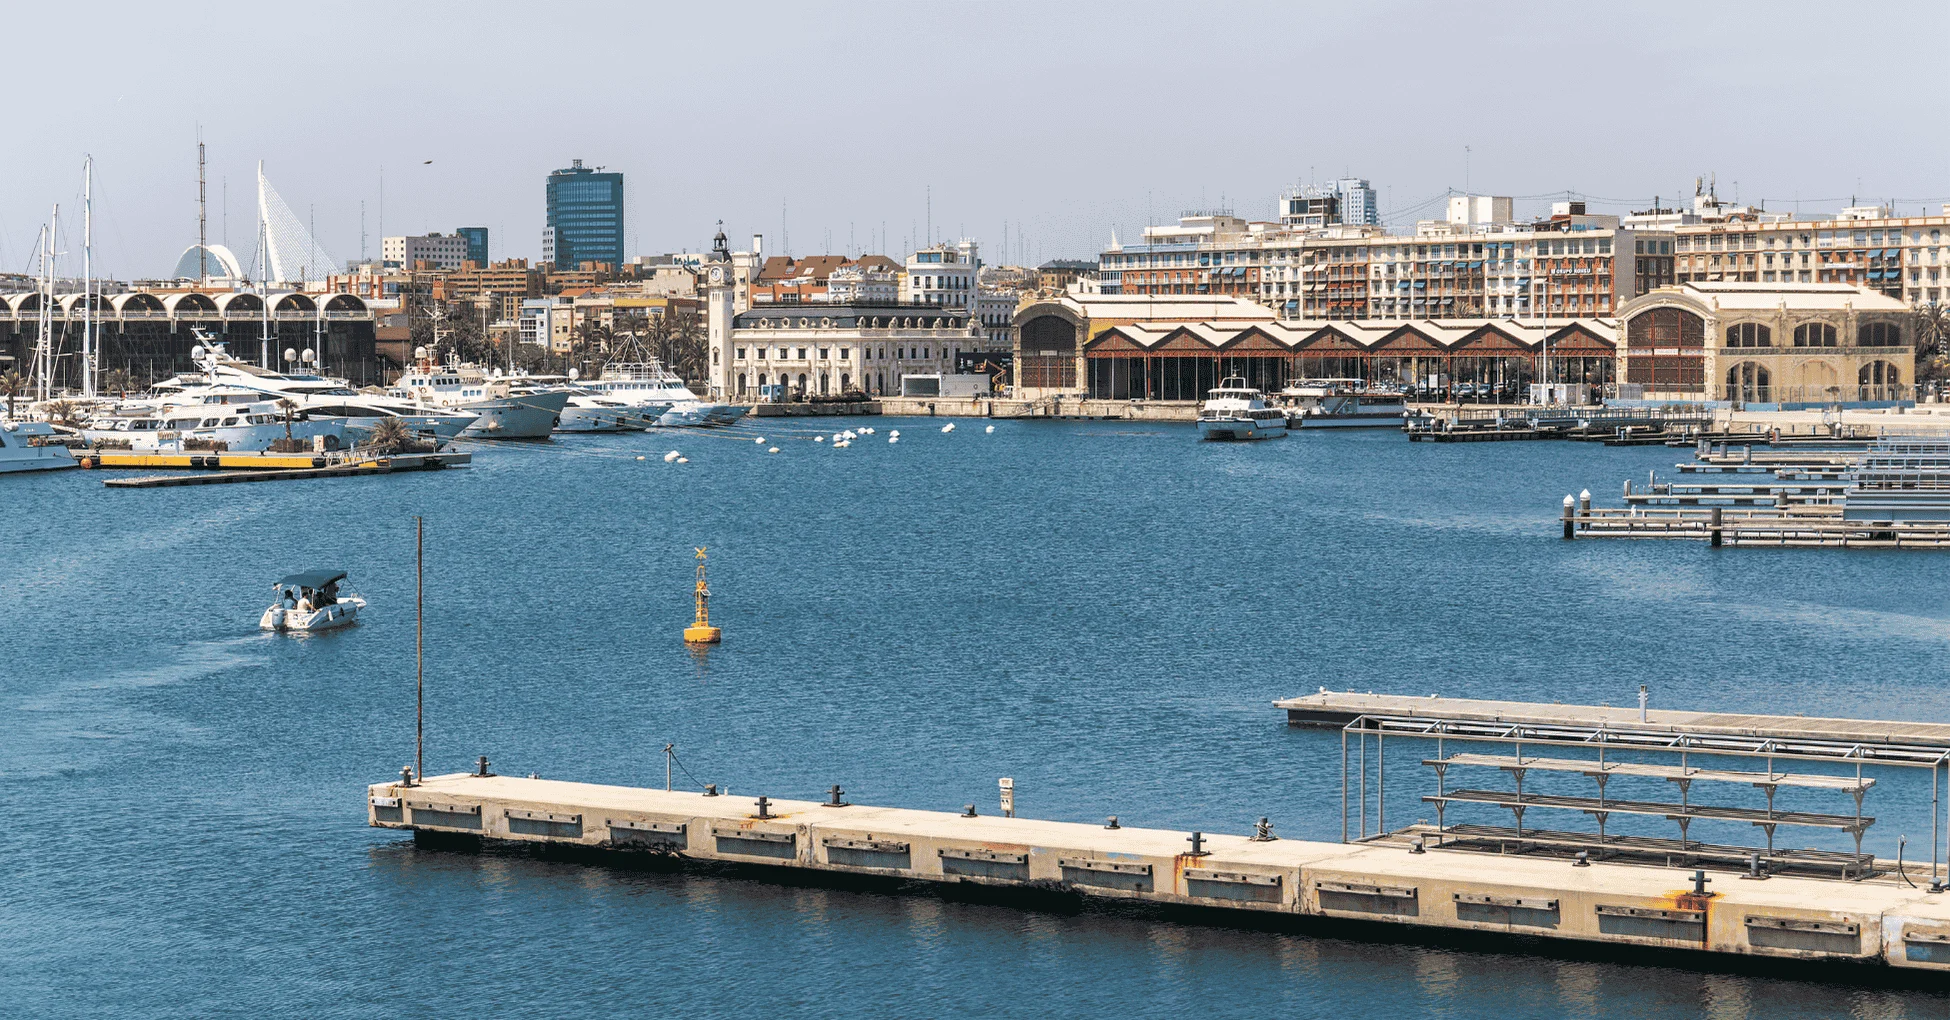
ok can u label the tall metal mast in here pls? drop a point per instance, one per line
(43, 347)
(202, 222)
(88, 277)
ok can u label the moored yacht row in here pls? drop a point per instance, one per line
(228, 404)
(1234, 410)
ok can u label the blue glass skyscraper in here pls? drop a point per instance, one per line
(477, 249)
(585, 216)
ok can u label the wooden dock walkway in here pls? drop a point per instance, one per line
(1881, 922)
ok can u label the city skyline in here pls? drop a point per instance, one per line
(1060, 126)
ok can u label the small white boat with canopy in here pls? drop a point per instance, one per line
(309, 601)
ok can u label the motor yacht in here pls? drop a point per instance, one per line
(316, 395)
(503, 413)
(1342, 404)
(32, 446)
(1234, 410)
(311, 601)
(586, 411)
(648, 385)
(213, 423)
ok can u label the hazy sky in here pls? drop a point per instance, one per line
(1064, 121)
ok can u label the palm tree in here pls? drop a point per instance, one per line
(13, 384)
(1929, 327)
(63, 412)
(389, 436)
(119, 381)
(286, 405)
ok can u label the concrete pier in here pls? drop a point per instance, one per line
(1883, 922)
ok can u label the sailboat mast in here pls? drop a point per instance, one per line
(88, 277)
(263, 272)
(47, 307)
(202, 222)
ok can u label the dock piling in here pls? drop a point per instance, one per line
(1569, 528)
(1719, 515)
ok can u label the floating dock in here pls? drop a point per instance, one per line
(233, 472)
(1336, 709)
(1882, 923)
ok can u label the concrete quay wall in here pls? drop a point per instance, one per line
(1876, 923)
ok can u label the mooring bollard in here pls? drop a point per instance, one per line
(710, 789)
(406, 775)
(481, 766)
(1569, 527)
(764, 806)
(834, 792)
(1717, 518)
(1111, 823)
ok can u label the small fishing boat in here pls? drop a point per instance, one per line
(310, 601)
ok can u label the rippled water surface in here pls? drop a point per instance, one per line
(1103, 611)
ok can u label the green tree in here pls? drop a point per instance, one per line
(13, 384)
(118, 381)
(1929, 329)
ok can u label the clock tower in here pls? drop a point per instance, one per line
(720, 284)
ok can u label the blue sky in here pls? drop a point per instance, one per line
(1063, 121)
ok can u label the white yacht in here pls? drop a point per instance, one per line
(32, 446)
(1235, 410)
(1342, 404)
(213, 423)
(586, 411)
(592, 412)
(648, 384)
(503, 413)
(316, 395)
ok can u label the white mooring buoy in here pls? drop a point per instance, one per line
(991, 428)
(950, 427)
(672, 455)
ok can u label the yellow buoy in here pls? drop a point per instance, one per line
(700, 632)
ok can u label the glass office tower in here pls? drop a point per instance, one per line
(585, 214)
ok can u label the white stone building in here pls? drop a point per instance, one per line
(445, 251)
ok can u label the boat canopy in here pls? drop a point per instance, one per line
(313, 578)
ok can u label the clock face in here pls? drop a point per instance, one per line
(717, 276)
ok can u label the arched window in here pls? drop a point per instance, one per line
(846, 381)
(1665, 327)
(1749, 382)
(761, 380)
(1749, 334)
(1879, 380)
(741, 382)
(1879, 334)
(802, 382)
(822, 383)
(1814, 334)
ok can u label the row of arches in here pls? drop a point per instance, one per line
(190, 303)
(1751, 382)
(803, 385)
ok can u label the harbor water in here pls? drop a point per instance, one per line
(1101, 611)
